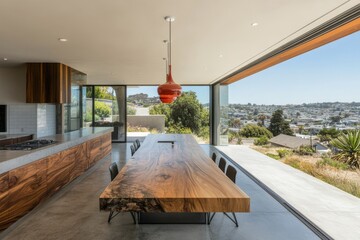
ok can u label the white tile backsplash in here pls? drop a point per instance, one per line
(22, 118)
(38, 119)
(46, 120)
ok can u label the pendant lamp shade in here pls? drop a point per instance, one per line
(170, 90)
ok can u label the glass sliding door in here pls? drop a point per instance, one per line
(106, 107)
(220, 114)
(189, 114)
(87, 106)
(72, 116)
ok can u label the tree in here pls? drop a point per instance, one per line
(335, 119)
(301, 129)
(184, 115)
(235, 123)
(252, 130)
(103, 93)
(278, 124)
(327, 134)
(186, 112)
(262, 118)
(349, 147)
(161, 109)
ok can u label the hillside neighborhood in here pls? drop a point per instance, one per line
(304, 119)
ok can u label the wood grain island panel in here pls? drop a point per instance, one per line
(22, 188)
(163, 177)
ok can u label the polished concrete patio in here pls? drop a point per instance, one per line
(73, 213)
(334, 211)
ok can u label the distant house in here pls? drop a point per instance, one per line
(287, 141)
(292, 142)
(320, 148)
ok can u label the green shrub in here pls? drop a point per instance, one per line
(348, 145)
(305, 150)
(274, 156)
(88, 117)
(326, 161)
(261, 141)
(284, 153)
(102, 110)
(252, 130)
(131, 111)
(176, 128)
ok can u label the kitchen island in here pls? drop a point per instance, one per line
(28, 177)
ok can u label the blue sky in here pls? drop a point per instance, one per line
(202, 92)
(328, 74)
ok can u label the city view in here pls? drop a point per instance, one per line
(310, 123)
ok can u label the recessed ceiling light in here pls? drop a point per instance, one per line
(254, 24)
(221, 56)
(62, 39)
(5, 59)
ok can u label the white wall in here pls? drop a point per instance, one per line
(13, 85)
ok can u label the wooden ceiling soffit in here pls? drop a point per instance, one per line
(329, 36)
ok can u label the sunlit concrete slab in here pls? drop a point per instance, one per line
(333, 210)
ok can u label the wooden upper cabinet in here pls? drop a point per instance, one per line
(49, 82)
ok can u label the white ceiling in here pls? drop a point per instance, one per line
(121, 41)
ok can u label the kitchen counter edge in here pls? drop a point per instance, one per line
(10, 159)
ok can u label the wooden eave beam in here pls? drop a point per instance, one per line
(328, 37)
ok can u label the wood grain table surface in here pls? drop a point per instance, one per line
(166, 177)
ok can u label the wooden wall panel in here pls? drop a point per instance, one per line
(58, 170)
(105, 145)
(35, 83)
(4, 187)
(27, 187)
(80, 162)
(23, 188)
(94, 150)
(48, 83)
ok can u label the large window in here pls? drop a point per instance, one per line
(188, 114)
(104, 106)
(72, 117)
(305, 112)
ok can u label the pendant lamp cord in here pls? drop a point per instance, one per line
(170, 42)
(166, 66)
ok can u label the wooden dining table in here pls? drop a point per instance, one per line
(170, 173)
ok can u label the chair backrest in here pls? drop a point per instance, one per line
(113, 170)
(231, 173)
(137, 143)
(222, 164)
(214, 157)
(135, 146)
(132, 148)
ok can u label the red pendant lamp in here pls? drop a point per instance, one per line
(170, 90)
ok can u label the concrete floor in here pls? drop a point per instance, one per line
(73, 213)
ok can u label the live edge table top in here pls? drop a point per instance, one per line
(166, 177)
